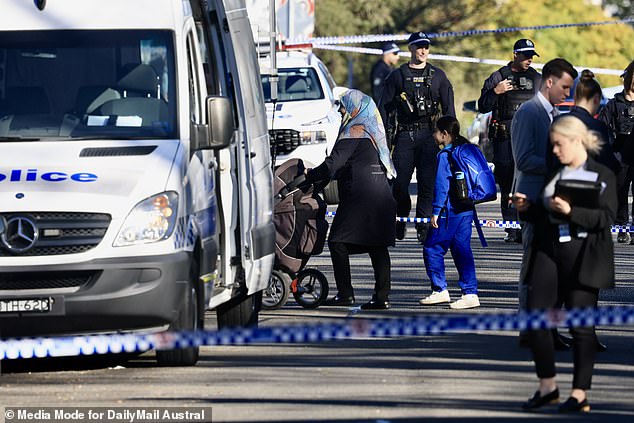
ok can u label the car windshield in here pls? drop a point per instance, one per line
(295, 84)
(87, 84)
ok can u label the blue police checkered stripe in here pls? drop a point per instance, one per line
(493, 223)
(353, 328)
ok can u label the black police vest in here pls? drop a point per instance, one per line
(524, 88)
(415, 103)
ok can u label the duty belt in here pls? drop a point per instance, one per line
(415, 126)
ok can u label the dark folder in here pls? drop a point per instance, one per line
(579, 193)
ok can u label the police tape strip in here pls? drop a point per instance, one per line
(375, 38)
(464, 59)
(513, 224)
(352, 328)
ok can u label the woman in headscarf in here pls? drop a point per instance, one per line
(364, 222)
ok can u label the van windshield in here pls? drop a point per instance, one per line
(87, 84)
(295, 84)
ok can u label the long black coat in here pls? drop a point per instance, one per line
(597, 253)
(367, 210)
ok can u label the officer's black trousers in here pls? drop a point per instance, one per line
(414, 150)
(504, 177)
(623, 183)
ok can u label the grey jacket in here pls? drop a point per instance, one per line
(530, 142)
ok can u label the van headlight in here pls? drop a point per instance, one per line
(151, 220)
(312, 137)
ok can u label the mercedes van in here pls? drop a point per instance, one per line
(135, 175)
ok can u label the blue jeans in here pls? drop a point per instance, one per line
(453, 232)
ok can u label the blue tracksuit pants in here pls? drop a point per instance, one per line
(453, 232)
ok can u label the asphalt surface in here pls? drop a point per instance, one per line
(472, 376)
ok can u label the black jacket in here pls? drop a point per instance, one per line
(367, 210)
(597, 254)
(610, 115)
(379, 72)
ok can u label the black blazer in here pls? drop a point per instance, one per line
(597, 252)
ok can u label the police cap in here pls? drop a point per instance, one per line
(419, 39)
(525, 46)
(390, 48)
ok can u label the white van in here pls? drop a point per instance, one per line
(135, 178)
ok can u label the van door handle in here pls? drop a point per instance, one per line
(252, 155)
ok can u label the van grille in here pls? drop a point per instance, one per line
(283, 141)
(59, 233)
(45, 280)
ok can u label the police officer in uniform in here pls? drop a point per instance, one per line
(618, 114)
(415, 94)
(382, 69)
(502, 94)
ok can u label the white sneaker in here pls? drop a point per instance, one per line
(466, 301)
(436, 298)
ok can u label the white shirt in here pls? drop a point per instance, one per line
(549, 107)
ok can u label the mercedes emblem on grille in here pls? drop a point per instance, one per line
(20, 234)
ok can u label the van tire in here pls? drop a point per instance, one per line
(240, 312)
(189, 319)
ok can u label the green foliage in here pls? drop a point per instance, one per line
(605, 46)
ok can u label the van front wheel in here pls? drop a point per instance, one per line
(240, 312)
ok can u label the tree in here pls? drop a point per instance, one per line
(606, 46)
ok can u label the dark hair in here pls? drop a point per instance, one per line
(627, 77)
(557, 67)
(451, 125)
(587, 87)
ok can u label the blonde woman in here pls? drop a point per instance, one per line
(571, 257)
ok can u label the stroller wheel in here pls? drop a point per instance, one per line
(277, 292)
(310, 288)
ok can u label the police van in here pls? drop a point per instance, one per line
(135, 175)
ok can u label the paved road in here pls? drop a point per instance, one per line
(454, 377)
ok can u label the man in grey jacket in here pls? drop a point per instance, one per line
(532, 151)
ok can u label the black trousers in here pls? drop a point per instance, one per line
(553, 279)
(414, 150)
(340, 255)
(504, 174)
(623, 183)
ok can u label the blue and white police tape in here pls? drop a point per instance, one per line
(352, 328)
(375, 38)
(463, 59)
(485, 223)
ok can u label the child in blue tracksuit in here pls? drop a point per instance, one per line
(450, 227)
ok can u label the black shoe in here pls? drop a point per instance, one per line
(339, 301)
(573, 406)
(623, 238)
(421, 232)
(376, 305)
(400, 230)
(560, 342)
(510, 237)
(538, 401)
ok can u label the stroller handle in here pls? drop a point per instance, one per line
(292, 186)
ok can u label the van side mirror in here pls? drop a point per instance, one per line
(220, 118)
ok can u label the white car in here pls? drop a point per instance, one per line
(303, 122)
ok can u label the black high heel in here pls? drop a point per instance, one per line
(538, 400)
(572, 405)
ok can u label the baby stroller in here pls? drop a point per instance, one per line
(299, 215)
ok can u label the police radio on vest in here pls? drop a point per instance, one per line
(32, 175)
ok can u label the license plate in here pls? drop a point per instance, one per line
(34, 305)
